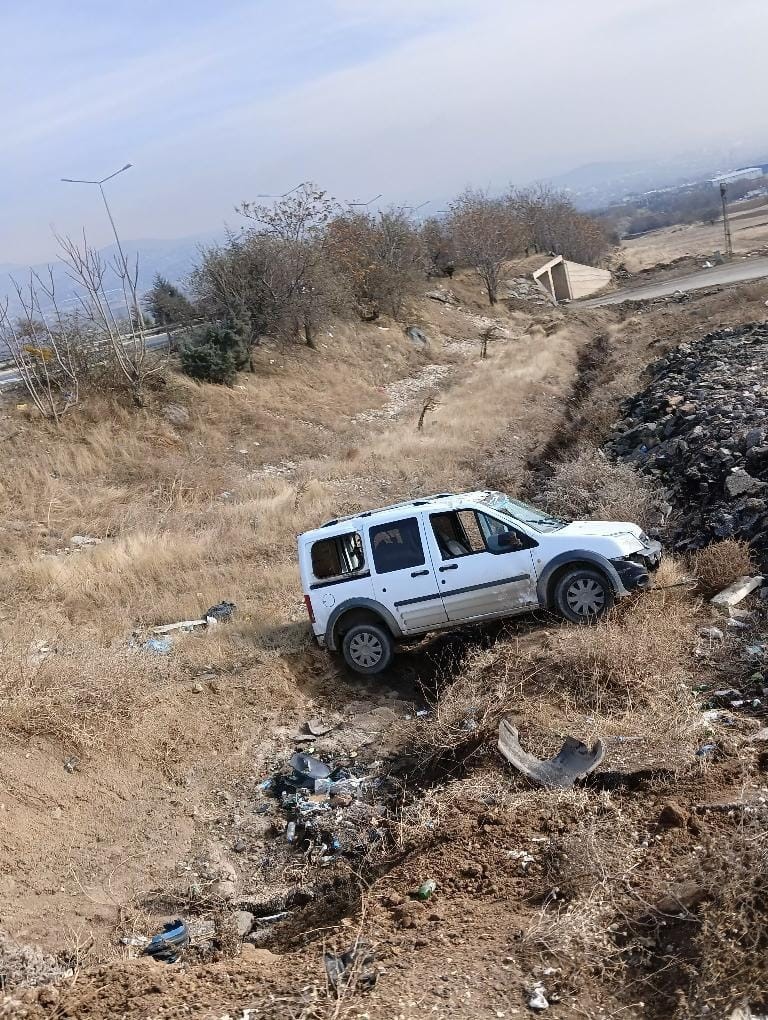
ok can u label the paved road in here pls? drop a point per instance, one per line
(734, 272)
(9, 376)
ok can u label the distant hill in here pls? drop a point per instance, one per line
(174, 259)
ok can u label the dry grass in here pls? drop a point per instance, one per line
(590, 486)
(720, 564)
(731, 941)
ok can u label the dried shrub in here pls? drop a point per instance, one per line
(590, 486)
(466, 711)
(719, 564)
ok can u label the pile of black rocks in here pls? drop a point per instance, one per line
(700, 428)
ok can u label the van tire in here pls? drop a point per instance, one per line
(583, 595)
(368, 648)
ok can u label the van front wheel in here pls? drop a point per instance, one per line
(368, 648)
(583, 595)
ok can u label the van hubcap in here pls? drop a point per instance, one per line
(365, 650)
(586, 597)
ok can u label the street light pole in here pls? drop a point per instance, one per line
(100, 185)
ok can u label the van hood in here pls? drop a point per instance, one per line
(602, 529)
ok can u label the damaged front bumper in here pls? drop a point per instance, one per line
(635, 571)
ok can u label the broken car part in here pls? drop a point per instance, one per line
(573, 761)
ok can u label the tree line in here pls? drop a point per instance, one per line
(294, 265)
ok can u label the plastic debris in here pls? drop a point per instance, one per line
(222, 612)
(158, 646)
(538, 998)
(168, 944)
(307, 767)
(352, 969)
(707, 751)
(573, 761)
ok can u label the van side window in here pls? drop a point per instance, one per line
(337, 556)
(397, 545)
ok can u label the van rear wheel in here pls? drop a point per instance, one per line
(368, 648)
(583, 595)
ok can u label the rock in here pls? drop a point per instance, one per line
(417, 336)
(262, 957)
(741, 483)
(761, 737)
(244, 921)
(81, 541)
(176, 414)
(712, 633)
(673, 816)
(445, 297)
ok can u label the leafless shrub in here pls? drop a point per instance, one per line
(719, 564)
(125, 334)
(430, 404)
(639, 658)
(590, 486)
(44, 348)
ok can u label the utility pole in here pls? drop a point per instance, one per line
(726, 222)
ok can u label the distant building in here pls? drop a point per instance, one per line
(748, 173)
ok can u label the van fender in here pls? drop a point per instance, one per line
(359, 603)
(577, 556)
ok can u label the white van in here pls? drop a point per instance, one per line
(383, 575)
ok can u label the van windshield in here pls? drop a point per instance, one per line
(539, 520)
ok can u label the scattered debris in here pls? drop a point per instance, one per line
(538, 997)
(417, 336)
(737, 591)
(160, 646)
(351, 969)
(573, 761)
(707, 751)
(222, 612)
(72, 764)
(167, 628)
(168, 944)
(712, 634)
(426, 889)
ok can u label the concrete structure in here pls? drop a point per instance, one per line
(747, 173)
(563, 280)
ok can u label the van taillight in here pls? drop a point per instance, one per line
(310, 610)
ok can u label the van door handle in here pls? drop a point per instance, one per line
(451, 566)
(419, 573)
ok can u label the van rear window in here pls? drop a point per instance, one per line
(337, 556)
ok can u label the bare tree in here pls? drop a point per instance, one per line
(556, 226)
(487, 233)
(126, 336)
(43, 346)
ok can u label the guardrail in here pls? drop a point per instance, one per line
(149, 334)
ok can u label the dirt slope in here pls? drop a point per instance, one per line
(171, 749)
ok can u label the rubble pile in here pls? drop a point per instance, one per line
(700, 428)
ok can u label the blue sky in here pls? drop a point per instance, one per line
(214, 102)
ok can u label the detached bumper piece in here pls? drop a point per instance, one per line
(575, 760)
